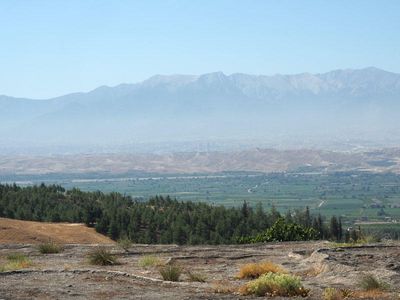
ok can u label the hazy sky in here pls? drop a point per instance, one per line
(50, 48)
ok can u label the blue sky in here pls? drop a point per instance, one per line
(49, 48)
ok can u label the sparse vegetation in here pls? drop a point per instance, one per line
(150, 261)
(274, 284)
(369, 282)
(255, 270)
(195, 276)
(223, 287)
(170, 272)
(124, 243)
(50, 247)
(102, 257)
(332, 294)
(16, 261)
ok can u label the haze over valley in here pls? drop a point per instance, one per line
(337, 110)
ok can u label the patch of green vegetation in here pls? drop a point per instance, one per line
(171, 272)
(150, 261)
(50, 248)
(282, 231)
(16, 261)
(275, 284)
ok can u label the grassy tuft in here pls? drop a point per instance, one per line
(102, 257)
(170, 272)
(196, 277)
(150, 261)
(332, 294)
(273, 284)
(49, 248)
(369, 282)
(255, 270)
(16, 261)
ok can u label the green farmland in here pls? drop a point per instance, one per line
(355, 196)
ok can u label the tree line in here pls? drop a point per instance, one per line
(163, 219)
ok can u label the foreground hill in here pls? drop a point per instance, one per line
(28, 232)
(68, 275)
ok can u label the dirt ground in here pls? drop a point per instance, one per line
(16, 231)
(68, 275)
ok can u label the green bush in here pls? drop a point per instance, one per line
(170, 273)
(102, 257)
(50, 247)
(274, 284)
(282, 231)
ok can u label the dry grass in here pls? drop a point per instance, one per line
(194, 276)
(342, 294)
(369, 282)
(255, 270)
(312, 271)
(371, 294)
(150, 261)
(16, 261)
(50, 248)
(102, 257)
(332, 294)
(170, 272)
(223, 287)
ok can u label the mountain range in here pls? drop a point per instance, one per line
(362, 103)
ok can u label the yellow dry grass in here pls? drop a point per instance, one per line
(255, 270)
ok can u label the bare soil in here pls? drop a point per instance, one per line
(68, 274)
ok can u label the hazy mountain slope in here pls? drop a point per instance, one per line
(341, 102)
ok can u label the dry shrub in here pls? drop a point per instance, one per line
(337, 294)
(255, 270)
(332, 294)
(371, 294)
(50, 248)
(223, 287)
(194, 276)
(102, 257)
(369, 282)
(273, 284)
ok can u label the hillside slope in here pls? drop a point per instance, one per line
(28, 232)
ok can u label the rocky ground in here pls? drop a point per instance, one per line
(69, 275)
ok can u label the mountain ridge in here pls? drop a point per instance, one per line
(212, 105)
